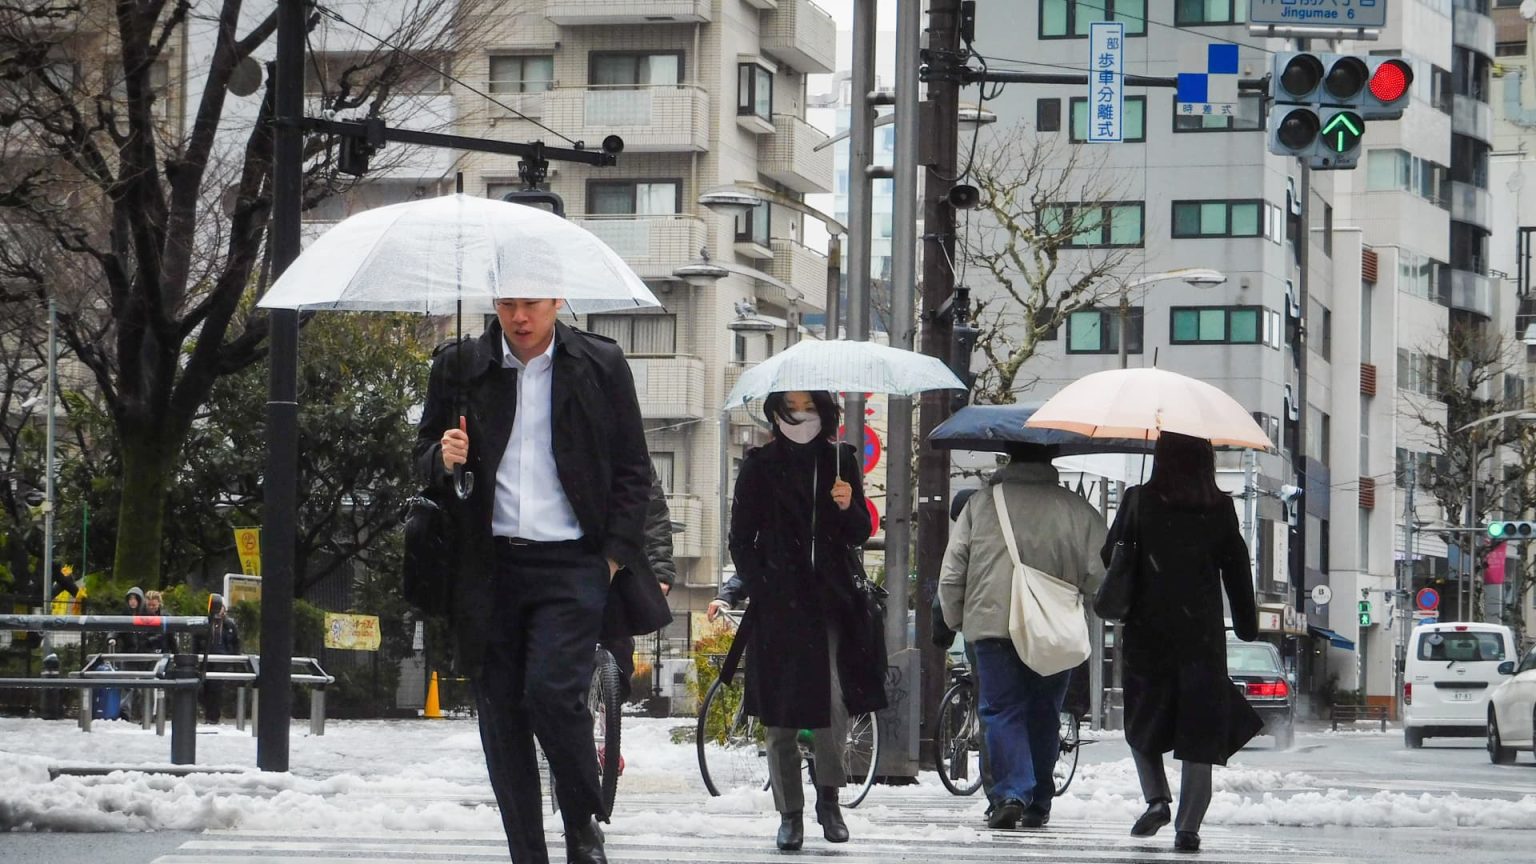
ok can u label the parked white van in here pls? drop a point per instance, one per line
(1452, 667)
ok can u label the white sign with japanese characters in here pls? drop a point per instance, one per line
(1106, 81)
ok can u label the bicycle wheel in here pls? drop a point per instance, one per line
(862, 754)
(957, 744)
(1066, 763)
(603, 700)
(730, 741)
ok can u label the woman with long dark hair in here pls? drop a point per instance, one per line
(796, 518)
(1178, 696)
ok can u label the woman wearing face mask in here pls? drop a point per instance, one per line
(797, 514)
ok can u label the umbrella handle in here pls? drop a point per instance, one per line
(463, 482)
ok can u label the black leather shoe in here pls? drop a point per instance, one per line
(791, 831)
(1153, 820)
(1034, 818)
(1186, 841)
(830, 815)
(584, 845)
(1007, 814)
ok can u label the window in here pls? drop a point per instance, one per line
(752, 226)
(1048, 115)
(1420, 373)
(1248, 116)
(638, 333)
(1217, 218)
(1509, 49)
(1070, 19)
(1198, 13)
(511, 73)
(635, 70)
(66, 74)
(633, 197)
(1133, 120)
(1319, 434)
(1095, 225)
(1217, 325)
(754, 91)
(1097, 331)
(1422, 276)
(1463, 647)
(1399, 170)
(664, 463)
(1322, 316)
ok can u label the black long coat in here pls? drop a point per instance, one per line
(1178, 695)
(795, 602)
(600, 457)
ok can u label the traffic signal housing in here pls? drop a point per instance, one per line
(1502, 531)
(1364, 608)
(1321, 103)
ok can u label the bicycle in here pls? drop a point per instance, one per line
(732, 748)
(957, 740)
(607, 714)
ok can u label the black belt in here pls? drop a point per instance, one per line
(524, 543)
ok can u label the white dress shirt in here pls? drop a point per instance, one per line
(530, 502)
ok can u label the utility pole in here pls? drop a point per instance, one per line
(861, 146)
(939, 152)
(1298, 532)
(51, 468)
(280, 488)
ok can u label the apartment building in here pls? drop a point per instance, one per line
(705, 93)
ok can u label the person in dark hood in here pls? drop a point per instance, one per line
(129, 641)
(222, 638)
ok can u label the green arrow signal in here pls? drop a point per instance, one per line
(1343, 131)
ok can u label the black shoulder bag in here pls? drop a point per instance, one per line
(425, 571)
(1113, 600)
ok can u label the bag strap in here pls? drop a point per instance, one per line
(1002, 516)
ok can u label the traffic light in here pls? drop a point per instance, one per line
(1365, 613)
(1321, 103)
(1501, 531)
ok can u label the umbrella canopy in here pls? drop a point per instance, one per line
(431, 255)
(1142, 403)
(838, 366)
(993, 427)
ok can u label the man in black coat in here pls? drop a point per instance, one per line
(222, 638)
(546, 419)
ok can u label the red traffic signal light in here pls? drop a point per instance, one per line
(1390, 81)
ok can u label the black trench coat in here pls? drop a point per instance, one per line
(1178, 695)
(795, 604)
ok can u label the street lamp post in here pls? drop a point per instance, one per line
(49, 469)
(1465, 594)
(1200, 277)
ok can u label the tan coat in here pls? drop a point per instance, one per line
(1057, 531)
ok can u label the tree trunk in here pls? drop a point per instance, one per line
(148, 463)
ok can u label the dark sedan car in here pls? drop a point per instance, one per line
(1256, 667)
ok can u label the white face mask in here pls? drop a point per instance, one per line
(806, 429)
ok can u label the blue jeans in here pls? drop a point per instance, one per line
(1020, 711)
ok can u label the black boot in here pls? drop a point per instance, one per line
(1155, 818)
(584, 845)
(830, 815)
(791, 831)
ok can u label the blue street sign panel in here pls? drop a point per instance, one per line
(1106, 81)
(1210, 85)
(1322, 14)
(1428, 599)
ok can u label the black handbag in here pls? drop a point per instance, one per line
(426, 567)
(1112, 601)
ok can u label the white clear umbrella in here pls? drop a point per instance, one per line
(456, 253)
(1143, 403)
(839, 366)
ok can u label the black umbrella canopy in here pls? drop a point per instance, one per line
(993, 427)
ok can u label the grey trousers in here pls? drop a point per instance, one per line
(1194, 789)
(827, 746)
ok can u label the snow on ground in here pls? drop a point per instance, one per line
(430, 775)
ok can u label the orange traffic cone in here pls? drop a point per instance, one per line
(433, 711)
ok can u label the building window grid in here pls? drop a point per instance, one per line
(1207, 13)
(754, 225)
(1218, 218)
(521, 73)
(1133, 119)
(1048, 115)
(1071, 19)
(651, 334)
(1110, 225)
(1217, 325)
(1097, 331)
(754, 91)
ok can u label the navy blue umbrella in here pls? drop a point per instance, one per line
(994, 427)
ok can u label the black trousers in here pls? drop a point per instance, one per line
(548, 601)
(212, 699)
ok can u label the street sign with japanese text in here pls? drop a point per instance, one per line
(1207, 84)
(1324, 14)
(1106, 81)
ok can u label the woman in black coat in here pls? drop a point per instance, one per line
(797, 515)
(1178, 696)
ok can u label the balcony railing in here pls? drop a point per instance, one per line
(789, 155)
(661, 119)
(669, 388)
(653, 246)
(1473, 30)
(579, 13)
(1472, 292)
(800, 35)
(1471, 204)
(803, 270)
(698, 527)
(1473, 118)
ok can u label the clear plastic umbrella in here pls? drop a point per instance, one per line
(838, 366)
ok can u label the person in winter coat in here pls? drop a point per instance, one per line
(658, 557)
(1056, 531)
(222, 638)
(1178, 696)
(797, 515)
(130, 641)
(158, 642)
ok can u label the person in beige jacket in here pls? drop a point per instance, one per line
(1059, 533)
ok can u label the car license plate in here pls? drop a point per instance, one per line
(1463, 696)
